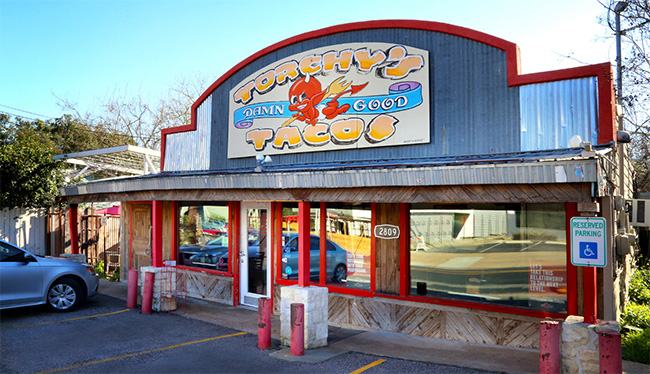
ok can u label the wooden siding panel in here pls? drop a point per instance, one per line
(208, 286)
(433, 321)
(507, 193)
(387, 252)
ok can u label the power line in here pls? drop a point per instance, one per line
(17, 115)
(24, 111)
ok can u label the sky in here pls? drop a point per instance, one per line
(90, 51)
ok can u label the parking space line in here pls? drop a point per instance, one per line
(66, 320)
(370, 365)
(141, 353)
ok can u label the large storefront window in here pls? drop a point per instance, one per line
(348, 245)
(203, 235)
(512, 255)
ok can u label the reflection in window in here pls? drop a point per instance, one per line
(348, 245)
(203, 236)
(512, 255)
(289, 267)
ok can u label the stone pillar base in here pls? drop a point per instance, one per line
(163, 289)
(579, 346)
(315, 300)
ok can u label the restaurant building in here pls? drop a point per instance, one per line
(424, 181)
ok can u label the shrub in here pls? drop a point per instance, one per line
(99, 268)
(636, 315)
(640, 287)
(636, 346)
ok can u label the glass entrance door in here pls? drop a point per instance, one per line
(254, 255)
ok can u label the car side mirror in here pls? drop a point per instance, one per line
(28, 257)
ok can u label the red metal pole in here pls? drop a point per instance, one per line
(590, 294)
(264, 323)
(147, 296)
(157, 234)
(304, 235)
(297, 329)
(549, 347)
(132, 294)
(74, 228)
(610, 352)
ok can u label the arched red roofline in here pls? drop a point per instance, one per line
(607, 126)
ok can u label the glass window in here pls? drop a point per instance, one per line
(348, 245)
(289, 252)
(9, 253)
(203, 235)
(513, 255)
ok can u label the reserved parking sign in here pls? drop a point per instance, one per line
(588, 241)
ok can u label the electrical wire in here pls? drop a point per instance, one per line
(23, 111)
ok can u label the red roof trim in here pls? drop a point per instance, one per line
(602, 71)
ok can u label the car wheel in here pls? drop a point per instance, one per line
(64, 295)
(340, 273)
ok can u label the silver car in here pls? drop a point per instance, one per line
(26, 279)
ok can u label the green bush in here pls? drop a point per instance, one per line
(116, 275)
(99, 268)
(636, 346)
(640, 287)
(636, 315)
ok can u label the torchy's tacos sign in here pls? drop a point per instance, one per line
(339, 97)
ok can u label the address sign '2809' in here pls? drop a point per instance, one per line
(387, 231)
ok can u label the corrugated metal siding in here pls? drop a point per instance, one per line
(24, 228)
(468, 90)
(190, 150)
(552, 113)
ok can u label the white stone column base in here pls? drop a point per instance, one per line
(579, 345)
(164, 287)
(315, 300)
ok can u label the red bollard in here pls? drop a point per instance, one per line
(297, 329)
(549, 347)
(609, 350)
(132, 294)
(263, 323)
(147, 296)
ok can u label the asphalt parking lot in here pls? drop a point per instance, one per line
(104, 337)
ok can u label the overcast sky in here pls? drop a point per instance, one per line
(86, 51)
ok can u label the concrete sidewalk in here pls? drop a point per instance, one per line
(440, 351)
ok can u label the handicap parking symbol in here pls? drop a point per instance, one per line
(589, 250)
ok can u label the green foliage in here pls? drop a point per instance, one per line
(636, 346)
(116, 276)
(29, 176)
(637, 315)
(99, 268)
(640, 287)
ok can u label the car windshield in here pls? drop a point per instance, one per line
(222, 240)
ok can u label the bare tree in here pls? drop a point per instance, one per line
(635, 36)
(141, 120)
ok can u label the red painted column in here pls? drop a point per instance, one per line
(147, 296)
(590, 294)
(264, 323)
(549, 347)
(157, 234)
(609, 350)
(297, 329)
(303, 243)
(132, 291)
(74, 228)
